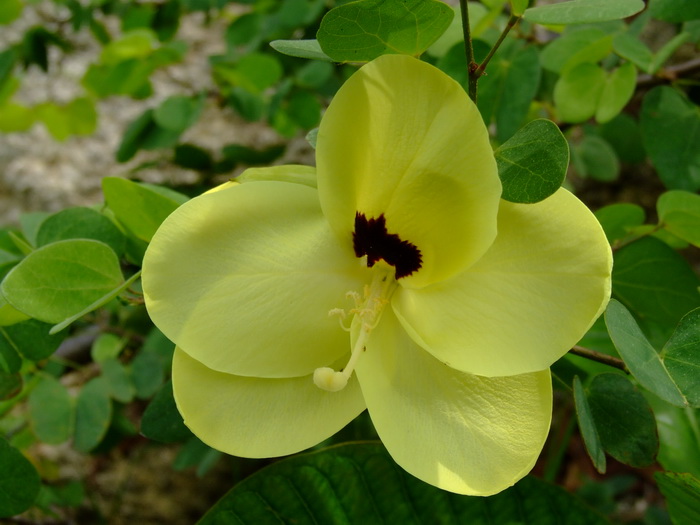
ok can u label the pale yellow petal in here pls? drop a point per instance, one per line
(243, 280)
(526, 302)
(460, 432)
(259, 418)
(403, 140)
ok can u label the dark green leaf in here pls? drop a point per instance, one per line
(624, 420)
(682, 493)
(300, 48)
(655, 283)
(363, 30)
(314, 74)
(576, 46)
(593, 157)
(193, 157)
(19, 481)
(51, 411)
(147, 374)
(360, 483)
(532, 163)
(646, 365)
(31, 339)
(679, 435)
(588, 428)
(145, 133)
(244, 29)
(304, 109)
(139, 208)
(679, 212)
(675, 10)
(618, 220)
(161, 421)
(623, 134)
(80, 223)
(681, 355)
(583, 11)
(248, 105)
(10, 384)
(93, 413)
(60, 279)
(671, 131)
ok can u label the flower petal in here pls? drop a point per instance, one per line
(243, 279)
(532, 296)
(457, 431)
(259, 418)
(403, 140)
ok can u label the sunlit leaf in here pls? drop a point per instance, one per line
(679, 212)
(583, 11)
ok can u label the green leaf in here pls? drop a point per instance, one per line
(618, 220)
(623, 134)
(574, 47)
(310, 49)
(646, 365)
(594, 157)
(10, 384)
(60, 279)
(679, 212)
(254, 72)
(506, 93)
(363, 30)
(578, 91)
(681, 355)
(93, 414)
(177, 113)
(146, 374)
(671, 131)
(161, 421)
(682, 493)
(51, 411)
(630, 47)
(145, 133)
(10, 360)
(31, 339)
(617, 92)
(31, 222)
(583, 11)
(193, 157)
(624, 420)
(518, 7)
(141, 209)
(675, 10)
(586, 424)
(360, 483)
(304, 109)
(106, 346)
(313, 74)
(19, 481)
(10, 10)
(532, 163)
(118, 380)
(80, 223)
(655, 283)
(679, 432)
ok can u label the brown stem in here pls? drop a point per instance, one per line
(480, 70)
(599, 357)
(670, 73)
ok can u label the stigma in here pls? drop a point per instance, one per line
(365, 316)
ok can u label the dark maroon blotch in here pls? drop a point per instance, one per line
(372, 239)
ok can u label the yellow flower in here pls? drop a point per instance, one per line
(454, 302)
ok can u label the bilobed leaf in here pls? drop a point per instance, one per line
(138, 207)
(670, 126)
(583, 11)
(301, 48)
(617, 92)
(360, 483)
(361, 31)
(624, 420)
(679, 212)
(60, 279)
(118, 380)
(619, 219)
(51, 411)
(19, 481)
(93, 413)
(655, 283)
(682, 493)
(641, 358)
(577, 92)
(106, 346)
(80, 223)
(532, 163)
(587, 425)
(575, 46)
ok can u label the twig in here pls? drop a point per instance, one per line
(599, 357)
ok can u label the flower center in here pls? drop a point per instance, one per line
(365, 316)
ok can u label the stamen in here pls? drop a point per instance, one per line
(366, 316)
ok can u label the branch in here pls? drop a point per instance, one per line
(599, 357)
(469, 50)
(670, 73)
